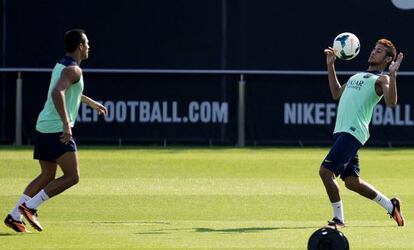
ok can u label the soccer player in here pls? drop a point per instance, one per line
(54, 144)
(357, 99)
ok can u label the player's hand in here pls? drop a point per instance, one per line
(330, 56)
(66, 136)
(102, 110)
(396, 64)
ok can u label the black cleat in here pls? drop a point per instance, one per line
(396, 212)
(335, 223)
(16, 225)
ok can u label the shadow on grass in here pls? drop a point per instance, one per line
(370, 226)
(9, 234)
(245, 229)
(130, 222)
(258, 229)
(224, 230)
(154, 232)
(237, 230)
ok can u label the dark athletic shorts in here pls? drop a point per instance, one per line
(342, 159)
(48, 147)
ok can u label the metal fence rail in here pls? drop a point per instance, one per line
(241, 86)
(197, 71)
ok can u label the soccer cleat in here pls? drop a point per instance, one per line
(16, 225)
(396, 212)
(31, 216)
(335, 223)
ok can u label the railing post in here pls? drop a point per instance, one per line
(18, 129)
(241, 113)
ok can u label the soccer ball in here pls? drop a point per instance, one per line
(346, 46)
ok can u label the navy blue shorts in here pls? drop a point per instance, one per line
(48, 147)
(342, 159)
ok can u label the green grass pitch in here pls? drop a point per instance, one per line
(206, 198)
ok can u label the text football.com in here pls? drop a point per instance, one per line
(157, 112)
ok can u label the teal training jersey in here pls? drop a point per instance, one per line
(49, 120)
(356, 106)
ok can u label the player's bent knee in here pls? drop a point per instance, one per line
(351, 185)
(75, 180)
(325, 173)
(72, 179)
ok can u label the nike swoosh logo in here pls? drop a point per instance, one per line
(403, 4)
(327, 161)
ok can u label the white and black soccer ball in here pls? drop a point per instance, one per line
(346, 46)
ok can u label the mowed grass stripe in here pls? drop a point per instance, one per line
(206, 198)
(177, 186)
(205, 186)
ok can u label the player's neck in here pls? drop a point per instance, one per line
(375, 68)
(75, 57)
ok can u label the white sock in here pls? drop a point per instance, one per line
(15, 212)
(338, 210)
(384, 202)
(38, 199)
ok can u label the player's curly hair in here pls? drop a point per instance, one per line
(390, 48)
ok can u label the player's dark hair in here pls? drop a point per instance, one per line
(73, 38)
(390, 48)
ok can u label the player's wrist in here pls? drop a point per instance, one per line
(331, 66)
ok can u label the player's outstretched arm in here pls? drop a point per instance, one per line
(334, 85)
(389, 84)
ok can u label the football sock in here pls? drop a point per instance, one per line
(15, 212)
(384, 202)
(338, 210)
(37, 200)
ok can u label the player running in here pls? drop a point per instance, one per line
(54, 144)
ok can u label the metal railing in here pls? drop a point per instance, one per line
(241, 86)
